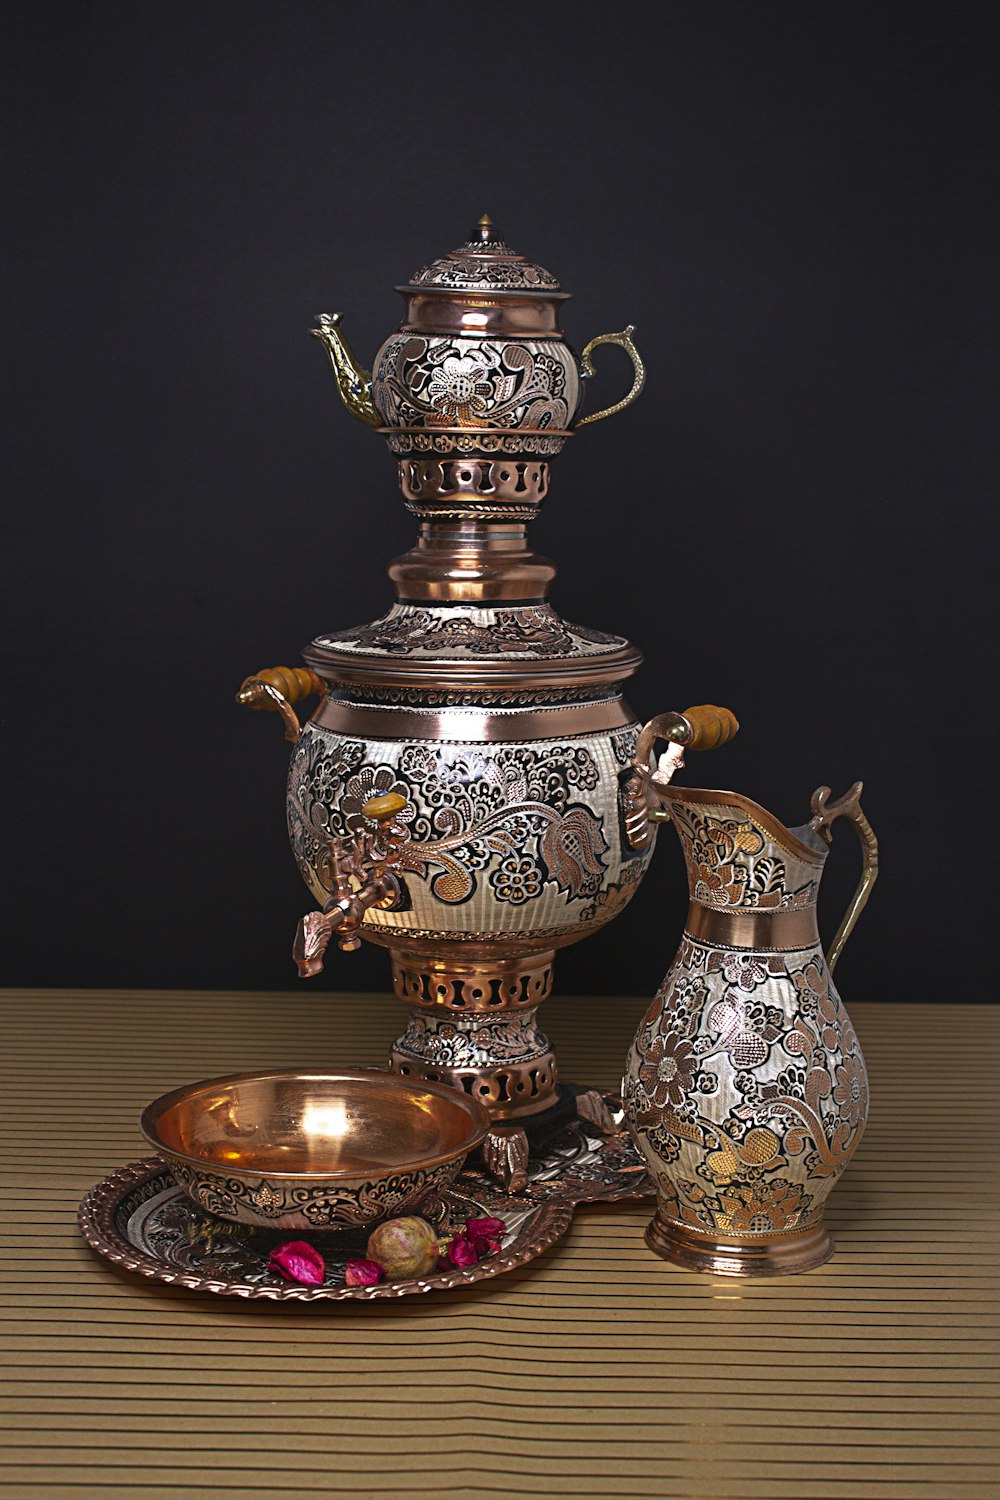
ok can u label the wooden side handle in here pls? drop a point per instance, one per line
(711, 726)
(276, 689)
(293, 683)
(704, 727)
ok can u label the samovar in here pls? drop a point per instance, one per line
(465, 793)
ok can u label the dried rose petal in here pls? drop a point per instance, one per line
(297, 1261)
(486, 1235)
(363, 1273)
(462, 1252)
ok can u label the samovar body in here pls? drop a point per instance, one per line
(513, 811)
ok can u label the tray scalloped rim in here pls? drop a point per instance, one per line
(548, 1222)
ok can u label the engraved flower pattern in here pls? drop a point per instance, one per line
(811, 986)
(460, 388)
(746, 1032)
(517, 881)
(719, 886)
(850, 1090)
(744, 969)
(668, 1070)
(759, 1208)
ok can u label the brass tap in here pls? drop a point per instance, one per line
(360, 878)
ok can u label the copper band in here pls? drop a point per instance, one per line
(474, 725)
(501, 314)
(758, 930)
(471, 563)
(520, 433)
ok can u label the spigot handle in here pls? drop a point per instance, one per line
(825, 814)
(276, 689)
(624, 341)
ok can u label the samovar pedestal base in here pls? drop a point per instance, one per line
(473, 1026)
(785, 1252)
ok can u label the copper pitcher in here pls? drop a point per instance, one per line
(745, 1088)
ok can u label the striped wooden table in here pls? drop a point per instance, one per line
(597, 1371)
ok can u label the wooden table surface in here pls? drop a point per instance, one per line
(596, 1371)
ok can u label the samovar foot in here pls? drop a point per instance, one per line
(505, 1156)
(592, 1107)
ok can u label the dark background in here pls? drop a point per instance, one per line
(791, 202)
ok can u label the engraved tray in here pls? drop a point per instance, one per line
(139, 1219)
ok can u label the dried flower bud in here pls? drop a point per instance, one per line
(404, 1248)
(297, 1261)
(363, 1273)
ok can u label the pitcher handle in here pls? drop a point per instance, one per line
(825, 814)
(624, 341)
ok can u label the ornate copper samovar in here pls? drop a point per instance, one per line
(464, 795)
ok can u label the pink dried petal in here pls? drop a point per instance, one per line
(462, 1252)
(297, 1261)
(486, 1235)
(363, 1273)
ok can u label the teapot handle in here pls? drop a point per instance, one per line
(624, 340)
(825, 814)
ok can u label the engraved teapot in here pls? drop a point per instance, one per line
(478, 374)
(466, 793)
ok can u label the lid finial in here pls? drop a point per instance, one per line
(484, 231)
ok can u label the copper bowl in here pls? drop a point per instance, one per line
(313, 1150)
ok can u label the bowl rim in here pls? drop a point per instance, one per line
(478, 1117)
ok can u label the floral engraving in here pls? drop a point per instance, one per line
(520, 816)
(733, 864)
(320, 1205)
(531, 630)
(454, 382)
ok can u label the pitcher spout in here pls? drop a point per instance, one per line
(353, 381)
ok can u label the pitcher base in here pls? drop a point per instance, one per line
(783, 1253)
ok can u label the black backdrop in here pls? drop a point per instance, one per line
(790, 202)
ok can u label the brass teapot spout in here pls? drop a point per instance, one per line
(353, 381)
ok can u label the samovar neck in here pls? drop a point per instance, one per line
(472, 562)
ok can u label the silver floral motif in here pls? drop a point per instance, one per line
(529, 631)
(355, 1203)
(420, 381)
(475, 267)
(445, 1042)
(518, 812)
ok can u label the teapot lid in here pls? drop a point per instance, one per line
(485, 263)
